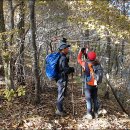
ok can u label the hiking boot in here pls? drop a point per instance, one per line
(96, 115)
(88, 116)
(60, 113)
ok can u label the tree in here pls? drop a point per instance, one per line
(11, 63)
(2, 29)
(21, 35)
(5, 50)
(34, 47)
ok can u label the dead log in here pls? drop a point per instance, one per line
(123, 109)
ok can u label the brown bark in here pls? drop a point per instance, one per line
(20, 69)
(35, 55)
(2, 29)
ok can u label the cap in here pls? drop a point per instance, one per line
(91, 55)
(63, 45)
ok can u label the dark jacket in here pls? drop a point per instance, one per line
(64, 68)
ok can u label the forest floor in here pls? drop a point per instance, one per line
(20, 114)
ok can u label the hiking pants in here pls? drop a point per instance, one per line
(91, 99)
(62, 86)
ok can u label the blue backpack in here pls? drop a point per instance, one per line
(51, 67)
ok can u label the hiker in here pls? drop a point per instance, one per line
(62, 81)
(90, 88)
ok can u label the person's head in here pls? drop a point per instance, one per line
(63, 46)
(91, 55)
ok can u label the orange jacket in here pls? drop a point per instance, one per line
(83, 63)
(80, 61)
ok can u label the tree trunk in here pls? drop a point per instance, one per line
(116, 66)
(35, 55)
(124, 9)
(11, 15)
(2, 23)
(20, 26)
(2, 29)
(4, 49)
(108, 39)
(11, 61)
(123, 40)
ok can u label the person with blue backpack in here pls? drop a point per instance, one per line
(93, 76)
(57, 68)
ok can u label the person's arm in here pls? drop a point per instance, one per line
(83, 63)
(65, 67)
(80, 61)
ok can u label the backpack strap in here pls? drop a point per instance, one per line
(90, 66)
(91, 81)
(87, 70)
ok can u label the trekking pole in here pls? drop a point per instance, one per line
(83, 78)
(72, 98)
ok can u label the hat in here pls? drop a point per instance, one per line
(63, 44)
(91, 55)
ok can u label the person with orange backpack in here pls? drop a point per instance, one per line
(93, 76)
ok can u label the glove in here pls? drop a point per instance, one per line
(63, 74)
(67, 59)
(72, 69)
(83, 50)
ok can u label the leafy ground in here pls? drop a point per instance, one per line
(20, 114)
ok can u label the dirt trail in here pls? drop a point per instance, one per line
(22, 115)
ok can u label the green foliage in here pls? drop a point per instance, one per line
(21, 91)
(41, 2)
(6, 56)
(44, 54)
(11, 94)
(100, 16)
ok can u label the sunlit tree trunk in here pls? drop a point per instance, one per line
(34, 46)
(11, 61)
(116, 59)
(108, 51)
(20, 26)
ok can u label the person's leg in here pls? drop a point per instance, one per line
(88, 100)
(95, 100)
(61, 91)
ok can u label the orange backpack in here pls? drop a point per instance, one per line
(92, 81)
(96, 74)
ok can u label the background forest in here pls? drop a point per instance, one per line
(31, 29)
